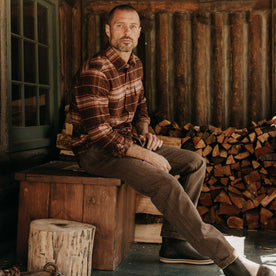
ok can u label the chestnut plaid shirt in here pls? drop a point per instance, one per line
(108, 97)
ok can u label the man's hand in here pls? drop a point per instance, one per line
(151, 157)
(153, 143)
(159, 161)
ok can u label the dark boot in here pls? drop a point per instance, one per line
(179, 251)
(237, 268)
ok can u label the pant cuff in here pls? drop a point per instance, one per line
(223, 264)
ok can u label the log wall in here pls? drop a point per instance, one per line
(206, 62)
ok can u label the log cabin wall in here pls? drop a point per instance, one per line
(205, 62)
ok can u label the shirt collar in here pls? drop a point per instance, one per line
(117, 61)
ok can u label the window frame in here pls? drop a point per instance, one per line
(32, 137)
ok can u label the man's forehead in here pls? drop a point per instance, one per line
(126, 16)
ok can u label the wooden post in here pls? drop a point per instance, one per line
(68, 244)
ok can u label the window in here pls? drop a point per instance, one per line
(32, 73)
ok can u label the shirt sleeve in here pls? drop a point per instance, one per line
(91, 96)
(141, 113)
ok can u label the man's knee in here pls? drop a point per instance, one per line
(198, 162)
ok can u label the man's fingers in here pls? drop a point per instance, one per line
(153, 142)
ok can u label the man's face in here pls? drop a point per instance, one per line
(124, 30)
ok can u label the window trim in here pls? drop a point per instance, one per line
(28, 138)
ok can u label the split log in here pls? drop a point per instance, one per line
(68, 244)
(235, 222)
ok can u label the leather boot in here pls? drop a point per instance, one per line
(237, 268)
(180, 251)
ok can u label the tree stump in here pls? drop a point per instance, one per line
(68, 244)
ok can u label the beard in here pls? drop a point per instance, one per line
(122, 46)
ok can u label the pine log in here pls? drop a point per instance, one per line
(226, 209)
(235, 222)
(252, 219)
(68, 244)
(223, 198)
(265, 215)
(268, 199)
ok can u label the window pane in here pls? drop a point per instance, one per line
(28, 18)
(29, 62)
(43, 65)
(44, 106)
(42, 24)
(16, 58)
(15, 16)
(30, 106)
(16, 106)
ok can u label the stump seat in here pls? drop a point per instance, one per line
(61, 190)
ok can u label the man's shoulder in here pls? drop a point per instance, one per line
(99, 63)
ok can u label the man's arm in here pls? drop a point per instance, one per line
(153, 143)
(147, 154)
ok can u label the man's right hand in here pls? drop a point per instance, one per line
(151, 157)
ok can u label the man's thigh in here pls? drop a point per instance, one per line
(181, 160)
(139, 174)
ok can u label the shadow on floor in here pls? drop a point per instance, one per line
(143, 259)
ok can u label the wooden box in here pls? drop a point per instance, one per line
(61, 190)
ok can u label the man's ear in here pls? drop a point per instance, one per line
(107, 30)
(140, 31)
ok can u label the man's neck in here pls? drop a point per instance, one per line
(124, 55)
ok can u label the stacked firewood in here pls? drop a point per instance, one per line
(239, 190)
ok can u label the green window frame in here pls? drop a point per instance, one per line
(33, 73)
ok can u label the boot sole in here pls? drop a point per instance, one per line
(186, 261)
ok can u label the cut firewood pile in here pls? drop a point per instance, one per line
(239, 190)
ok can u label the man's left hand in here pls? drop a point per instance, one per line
(153, 143)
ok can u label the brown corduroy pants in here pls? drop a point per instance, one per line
(175, 198)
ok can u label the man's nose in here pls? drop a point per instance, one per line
(127, 30)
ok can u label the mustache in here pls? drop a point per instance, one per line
(126, 37)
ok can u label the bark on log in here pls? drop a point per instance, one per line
(68, 244)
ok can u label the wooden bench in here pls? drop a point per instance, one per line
(61, 190)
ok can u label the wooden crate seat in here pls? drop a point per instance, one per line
(62, 190)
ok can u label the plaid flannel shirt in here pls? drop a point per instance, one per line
(107, 99)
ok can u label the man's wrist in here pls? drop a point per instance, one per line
(142, 128)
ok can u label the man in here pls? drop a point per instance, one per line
(108, 100)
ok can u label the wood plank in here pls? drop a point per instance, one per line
(256, 69)
(157, 6)
(76, 37)
(145, 206)
(74, 180)
(148, 233)
(182, 49)
(91, 36)
(200, 66)
(219, 67)
(162, 37)
(170, 141)
(33, 204)
(128, 219)
(237, 91)
(66, 201)
(180, 5)
(97, 199)
(125, 222)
